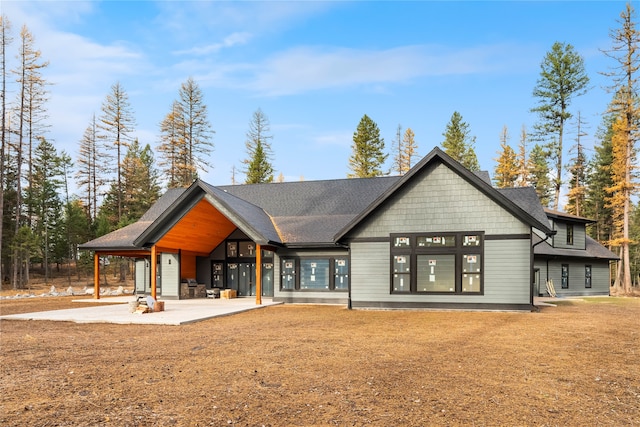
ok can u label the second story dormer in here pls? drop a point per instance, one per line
(570, 230)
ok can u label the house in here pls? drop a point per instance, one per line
(438, 237)
(574, 262)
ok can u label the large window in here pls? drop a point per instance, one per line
(443, 263)
(314, 274)
(587, 276)
(565, 276)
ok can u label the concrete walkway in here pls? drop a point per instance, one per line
(176, 312)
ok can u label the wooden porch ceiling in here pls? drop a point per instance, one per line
(200, 230)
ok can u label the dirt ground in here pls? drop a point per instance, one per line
(296, 365)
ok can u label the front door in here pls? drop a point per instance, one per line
(246, 279)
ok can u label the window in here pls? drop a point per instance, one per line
(570, 234)
(314, 274)
(445, 263)
(565, 276)
(587, 276)
(288, 274)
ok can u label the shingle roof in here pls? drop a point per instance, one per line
(527, 199)
(311, 212)
(593, 249)
(125, 237)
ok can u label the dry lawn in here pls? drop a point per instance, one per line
(575, 364)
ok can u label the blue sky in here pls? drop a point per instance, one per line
(314, 68)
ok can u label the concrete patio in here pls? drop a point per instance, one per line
(176, 312)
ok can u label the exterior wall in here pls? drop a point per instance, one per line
(560, 239)
(506, 277)
(599, 277)
(142, 276)
(439, 202)
(303, 295)
(541, 265)
(170, 273)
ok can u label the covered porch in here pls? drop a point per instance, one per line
(171, 247)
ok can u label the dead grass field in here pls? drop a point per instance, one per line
(575, 364)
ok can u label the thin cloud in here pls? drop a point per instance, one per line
(305, 69)
(231, 40)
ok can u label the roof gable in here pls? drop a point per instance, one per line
(438, 156)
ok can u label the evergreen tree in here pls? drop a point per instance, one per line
(539, 174)
(259, 168)
(625, 52)
(47, 212)
(406, 147)
(597, 181)
(185, 137)
(367, 155)
(506, 170)
(459, 144)
(117, 124)
(140, 180)
(5, 41)
(29, 109)
(410, 147)
(522, 161)
(197, 131)
(562, 77)
(578, 171)
(90, 173)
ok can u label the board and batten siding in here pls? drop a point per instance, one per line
(142, 277)
(307, 296)
(440, 201)
(170, 273)
(507, 276)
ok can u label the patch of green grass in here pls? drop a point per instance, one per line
(621, 301)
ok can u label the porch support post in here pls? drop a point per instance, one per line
(96, 275)
(154, 271)
(258, 275)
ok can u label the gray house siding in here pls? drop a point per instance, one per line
(506, 277)
(307, 296)
(442, 201)
(576, 268)
(560, 239)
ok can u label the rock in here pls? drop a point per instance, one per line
(70, 291)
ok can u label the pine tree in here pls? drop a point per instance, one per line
(506, 170)
(28, 110)
(171, 146)
(459, 144)
(626, 54)
(406, 147)
(90, 173)
(196, 129)
(410, 147)
(47, 213)
(597, 181)
(539, 174)
(523, 162)
(367, 155)
(185, 137)
(578, 171)
(140, 182)
(117, 124)
(562, 77)
(5, 41)
(259, 168)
